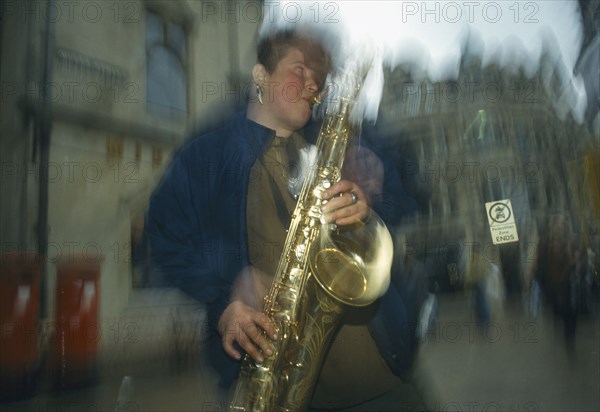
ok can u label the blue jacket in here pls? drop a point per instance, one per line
(196, 229)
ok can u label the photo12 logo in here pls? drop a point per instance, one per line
(72, 172)
(470, 11)
(270, 11)
(69, 11)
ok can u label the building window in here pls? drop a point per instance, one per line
(166, 80)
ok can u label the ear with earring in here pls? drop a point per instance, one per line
(259, 93)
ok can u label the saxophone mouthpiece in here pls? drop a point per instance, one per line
(314, 100)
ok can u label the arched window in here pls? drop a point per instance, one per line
(166, 80)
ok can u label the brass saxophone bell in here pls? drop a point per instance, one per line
(353, 263)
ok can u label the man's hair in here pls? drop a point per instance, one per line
(271, 49)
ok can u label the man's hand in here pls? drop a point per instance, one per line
(346, 204)
(245, 325)
(366, 169)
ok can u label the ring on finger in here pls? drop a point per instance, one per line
(354, 197)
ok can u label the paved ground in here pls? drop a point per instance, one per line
(518, 364)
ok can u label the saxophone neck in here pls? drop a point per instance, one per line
(342, 92)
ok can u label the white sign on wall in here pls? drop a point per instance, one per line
(502, 221)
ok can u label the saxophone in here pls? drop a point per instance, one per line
(322, 268)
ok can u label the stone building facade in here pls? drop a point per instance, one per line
(491, 134)
(96, 96)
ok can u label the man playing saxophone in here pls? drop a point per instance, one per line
(217, 224)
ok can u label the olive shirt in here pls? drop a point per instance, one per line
(353, 371)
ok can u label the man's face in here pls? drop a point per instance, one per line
(288, 91)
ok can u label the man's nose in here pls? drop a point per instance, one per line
(311, 85)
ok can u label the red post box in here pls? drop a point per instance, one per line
(20, 274)
(77, 326)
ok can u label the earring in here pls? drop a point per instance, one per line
(259, 92)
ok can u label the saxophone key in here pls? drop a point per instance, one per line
(295, 274)
(300, 251)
